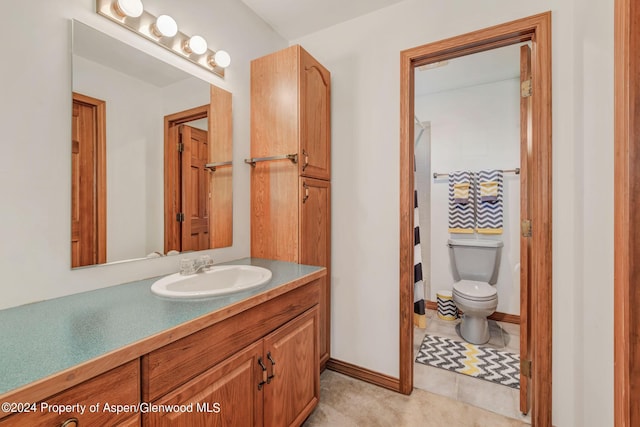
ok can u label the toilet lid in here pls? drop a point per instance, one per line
(478, 291)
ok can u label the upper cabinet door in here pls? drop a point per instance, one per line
(315, 118)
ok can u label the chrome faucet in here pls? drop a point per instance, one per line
(192, 266)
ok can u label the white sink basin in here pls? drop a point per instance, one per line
(216, 281)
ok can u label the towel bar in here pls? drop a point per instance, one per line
(254, 160)
(516, 171)
(212, 166)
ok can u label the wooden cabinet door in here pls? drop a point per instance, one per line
(315, 118)
(195, 189)
(225, 395)
(315, 246)
(293, 387)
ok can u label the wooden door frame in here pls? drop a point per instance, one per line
(172, 188)
(100, 108)
(626, 220)
(536, 29)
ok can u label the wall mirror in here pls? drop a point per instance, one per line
(151, 155)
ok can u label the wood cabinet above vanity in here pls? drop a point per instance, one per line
(253, 361)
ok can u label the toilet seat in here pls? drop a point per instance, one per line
(474, 290)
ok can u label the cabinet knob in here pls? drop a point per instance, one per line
(71, 422)
(306, 159)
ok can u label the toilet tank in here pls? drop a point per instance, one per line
(475, 259)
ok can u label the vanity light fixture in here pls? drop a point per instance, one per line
(130, 8)
(163, 31)
(195, 44)
(221, 59)
(165, 26)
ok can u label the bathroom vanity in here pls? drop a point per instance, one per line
(123, 356)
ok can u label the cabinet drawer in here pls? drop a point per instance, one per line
(119, 386)
(172, 365)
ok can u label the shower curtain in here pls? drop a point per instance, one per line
(419, 316)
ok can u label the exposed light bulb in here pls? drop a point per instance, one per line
(165, 26)
(221, 59)
(130, 8)
(196, 44)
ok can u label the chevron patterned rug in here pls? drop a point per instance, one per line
(477, 361)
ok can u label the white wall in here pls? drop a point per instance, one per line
(35, 166)
(362, 55)
(134, 122)
(475, 128)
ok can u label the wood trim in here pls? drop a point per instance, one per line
(505, 317)
(363, 374)
(526, 139)
(101, 171)
(627, 222)
(497, 316)
(38, 390)
(537, 29)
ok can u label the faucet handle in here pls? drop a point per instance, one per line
(205, 261)
(187, 266)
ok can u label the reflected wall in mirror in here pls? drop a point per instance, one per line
(126, 198)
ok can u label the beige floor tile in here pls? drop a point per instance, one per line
(487, 395)
(497, 339)
(511, 328)
(512, 343)
(435, 380)
(418, 336)
(516, 404)
(443, 328)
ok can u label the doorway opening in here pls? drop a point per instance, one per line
(469, 122)
(535, 185)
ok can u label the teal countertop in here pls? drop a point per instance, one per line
(44, 338)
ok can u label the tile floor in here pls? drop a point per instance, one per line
(473, 391)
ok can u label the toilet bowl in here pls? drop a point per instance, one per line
(477, 300)
(475, 265)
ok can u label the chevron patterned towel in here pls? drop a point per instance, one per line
(477, 361)
(461, 215)
(489, 195)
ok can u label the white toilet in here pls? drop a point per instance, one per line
(475, 266)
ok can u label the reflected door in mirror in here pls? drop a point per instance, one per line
(88, 182)
(187, 180)
(195, 188)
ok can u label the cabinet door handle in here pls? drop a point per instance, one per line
(306, 192)
(273, 370)
(306, 159)
(71, 422)
(264, 373)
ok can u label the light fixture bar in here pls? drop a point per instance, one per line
(143, 25)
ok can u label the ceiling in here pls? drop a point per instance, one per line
(296, 18)
(293, 19)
